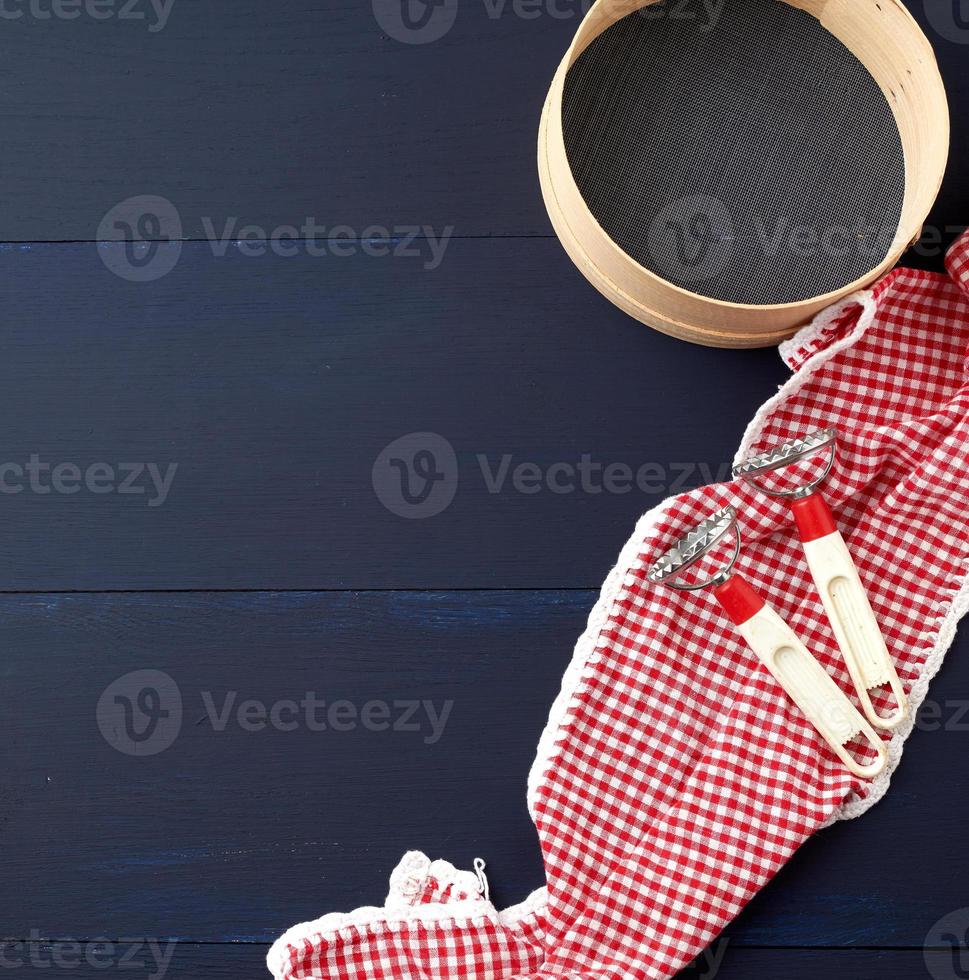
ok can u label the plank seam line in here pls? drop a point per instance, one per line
(423, 590)
(267, 241)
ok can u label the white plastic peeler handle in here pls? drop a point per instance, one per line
(804, 680)
(849, 611)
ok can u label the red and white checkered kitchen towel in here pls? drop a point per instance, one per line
(675, 778)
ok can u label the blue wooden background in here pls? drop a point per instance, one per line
(266, 387)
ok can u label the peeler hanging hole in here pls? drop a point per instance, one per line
(866, 758)
(889, 705)
(883, 701)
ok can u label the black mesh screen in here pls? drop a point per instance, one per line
(736, 149)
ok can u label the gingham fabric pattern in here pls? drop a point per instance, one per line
(675, 777)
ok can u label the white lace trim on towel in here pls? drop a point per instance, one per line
(406, 881)
(588, 648)
(415, 867)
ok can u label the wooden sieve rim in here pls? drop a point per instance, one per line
(887, 40)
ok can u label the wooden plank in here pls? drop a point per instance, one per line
(274, 384)
(232, 110)
(233, 834)
(237, 834)
(231, 962)
(733, 963)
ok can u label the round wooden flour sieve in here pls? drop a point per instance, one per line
(724, 170)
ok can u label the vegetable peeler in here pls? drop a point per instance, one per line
(834, 572)
(792, 665)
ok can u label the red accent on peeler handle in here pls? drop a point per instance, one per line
(814, 518)
(740, 602)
